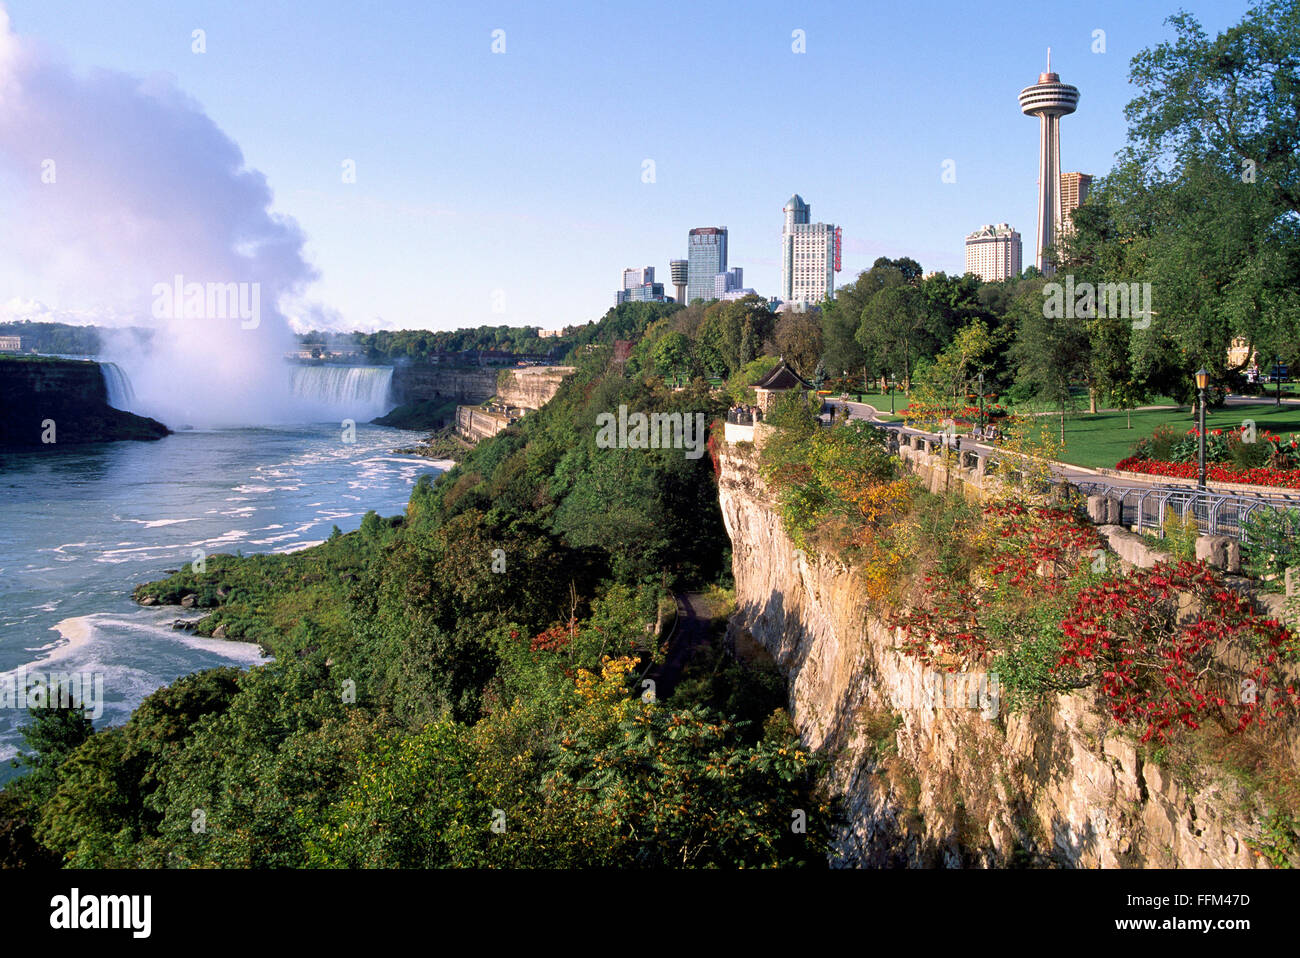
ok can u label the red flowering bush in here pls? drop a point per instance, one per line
(1161, 667)
(1030, 550)
(1041, 546)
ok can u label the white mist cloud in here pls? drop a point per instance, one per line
(116, 183)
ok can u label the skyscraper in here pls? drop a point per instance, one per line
(1074, 191)
(678, 270)
(706, 257)
(810, 255)
(1049, 99)
(993, 253)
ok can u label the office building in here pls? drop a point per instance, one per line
(645, 293)
(638, 277)
(724, 283)
(1074, 192)
(706, 258)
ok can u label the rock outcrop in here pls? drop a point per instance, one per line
(922, 784)
(64, 400)
(530, 387)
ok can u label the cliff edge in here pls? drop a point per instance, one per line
(926, 786)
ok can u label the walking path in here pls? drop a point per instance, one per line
(690, 631)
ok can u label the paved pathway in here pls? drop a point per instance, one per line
(690, 631)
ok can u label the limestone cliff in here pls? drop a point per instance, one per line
(530, 387)
(422, 382)
(927, 786)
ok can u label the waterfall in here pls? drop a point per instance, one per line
(118, 385)
(330, 392)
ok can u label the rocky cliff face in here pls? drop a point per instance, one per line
(420, 382)
(932, 784)
(530, 387)
(70, 395)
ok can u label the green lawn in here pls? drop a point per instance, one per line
(1101, 440)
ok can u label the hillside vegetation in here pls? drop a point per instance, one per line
(458, 686)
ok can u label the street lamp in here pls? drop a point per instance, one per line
(1202, 380)
(980, 380)
(891, 394)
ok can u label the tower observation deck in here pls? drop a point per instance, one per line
(1049, 99)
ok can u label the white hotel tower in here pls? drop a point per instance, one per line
(810, 255)
(1049, 99)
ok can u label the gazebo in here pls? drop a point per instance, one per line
(781, 379)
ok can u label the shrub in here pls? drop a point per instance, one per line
(1180, 533)
(1157, 667)
(1271, 541)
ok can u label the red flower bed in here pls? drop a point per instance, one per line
(1214, 472)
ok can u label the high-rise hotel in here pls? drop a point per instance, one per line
(1074, 191)
(706, 257)
(993, 253)
(810, 255)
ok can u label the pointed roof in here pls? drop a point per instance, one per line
(782, 377)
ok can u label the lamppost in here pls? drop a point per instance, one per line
(1202, 380)
(980, 380)
(891, 394)
(1277, 371)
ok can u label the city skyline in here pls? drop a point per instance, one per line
(443, 231)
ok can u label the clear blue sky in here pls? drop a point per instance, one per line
(522, 171)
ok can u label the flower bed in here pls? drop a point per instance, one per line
(1214, 472)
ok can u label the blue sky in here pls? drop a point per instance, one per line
(522, 172)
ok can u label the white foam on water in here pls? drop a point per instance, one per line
(297, 547)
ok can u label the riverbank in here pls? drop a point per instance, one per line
(444, 447)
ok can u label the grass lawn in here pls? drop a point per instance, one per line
(1101, 440)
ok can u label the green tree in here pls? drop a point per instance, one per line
(1233, 98)
(799, 340)
(1051, 353)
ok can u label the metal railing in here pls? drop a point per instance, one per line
(1145, 507)
(1216, 513)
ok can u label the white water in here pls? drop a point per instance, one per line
(120, 393)
(312, 394)
(357, 391)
